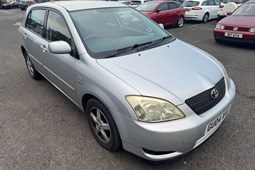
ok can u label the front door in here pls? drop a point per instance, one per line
(60, 68)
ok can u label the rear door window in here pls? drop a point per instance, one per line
(172, 5)
(163, 7)
(211, 2)
(35, 21)
(216, 2)
(205, 3)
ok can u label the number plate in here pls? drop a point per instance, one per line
(233, 35)
(211, 127)
(186, 9)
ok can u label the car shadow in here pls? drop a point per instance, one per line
(237, 45)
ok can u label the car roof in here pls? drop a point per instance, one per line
(79, 5)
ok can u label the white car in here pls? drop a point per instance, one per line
(228, 6)
(201, 10)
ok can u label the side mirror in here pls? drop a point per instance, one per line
(229, 13)
(161, 25)
(59, 47)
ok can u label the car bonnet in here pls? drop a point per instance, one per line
(177, 69)
(241, 21)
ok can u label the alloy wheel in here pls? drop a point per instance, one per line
(30, 66)
(180, 22)
(100, 125)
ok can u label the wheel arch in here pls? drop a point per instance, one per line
(207, 12)
(105, 101)
(23, 50)
(86, 98)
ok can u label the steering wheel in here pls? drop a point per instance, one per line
(92, 36)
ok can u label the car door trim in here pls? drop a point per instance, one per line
(46, 68)
(61, 90)
(35, 59)
(68, 85)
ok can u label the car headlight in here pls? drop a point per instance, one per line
(252, 29)
(149, 109)
(220, 27)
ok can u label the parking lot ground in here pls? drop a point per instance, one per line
(41, 129)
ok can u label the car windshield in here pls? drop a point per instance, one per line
(247, 9)
(109, 32)
(190, 3)
(146, 7)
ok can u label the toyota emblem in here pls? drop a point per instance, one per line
(214, 93)
(235, 28)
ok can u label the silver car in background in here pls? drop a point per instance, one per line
(142, 89)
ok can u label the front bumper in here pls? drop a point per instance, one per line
(166, 140)
(248, 37)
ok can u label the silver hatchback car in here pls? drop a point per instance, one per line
(142, 89)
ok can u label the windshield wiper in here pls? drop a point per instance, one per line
(152, 43)
(137, 47)
(126, 49)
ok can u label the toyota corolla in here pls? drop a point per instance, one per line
(142, 89)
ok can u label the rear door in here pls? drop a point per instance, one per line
(216, 8)
(213, 8)
(32, 36)
(173, 12)
(162, 15)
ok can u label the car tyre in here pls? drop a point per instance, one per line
(218, 40)
(205, 18)
(31, 69)
(180, 22)
(102, 125)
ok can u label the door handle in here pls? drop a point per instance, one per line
(44, 49)
(25, 35)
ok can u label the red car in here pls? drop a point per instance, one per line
(238, 27)
(164, 12)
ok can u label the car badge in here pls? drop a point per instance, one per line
(214, 93)
(235, 28)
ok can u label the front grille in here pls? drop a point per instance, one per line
(239, 28)
(206, 100)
